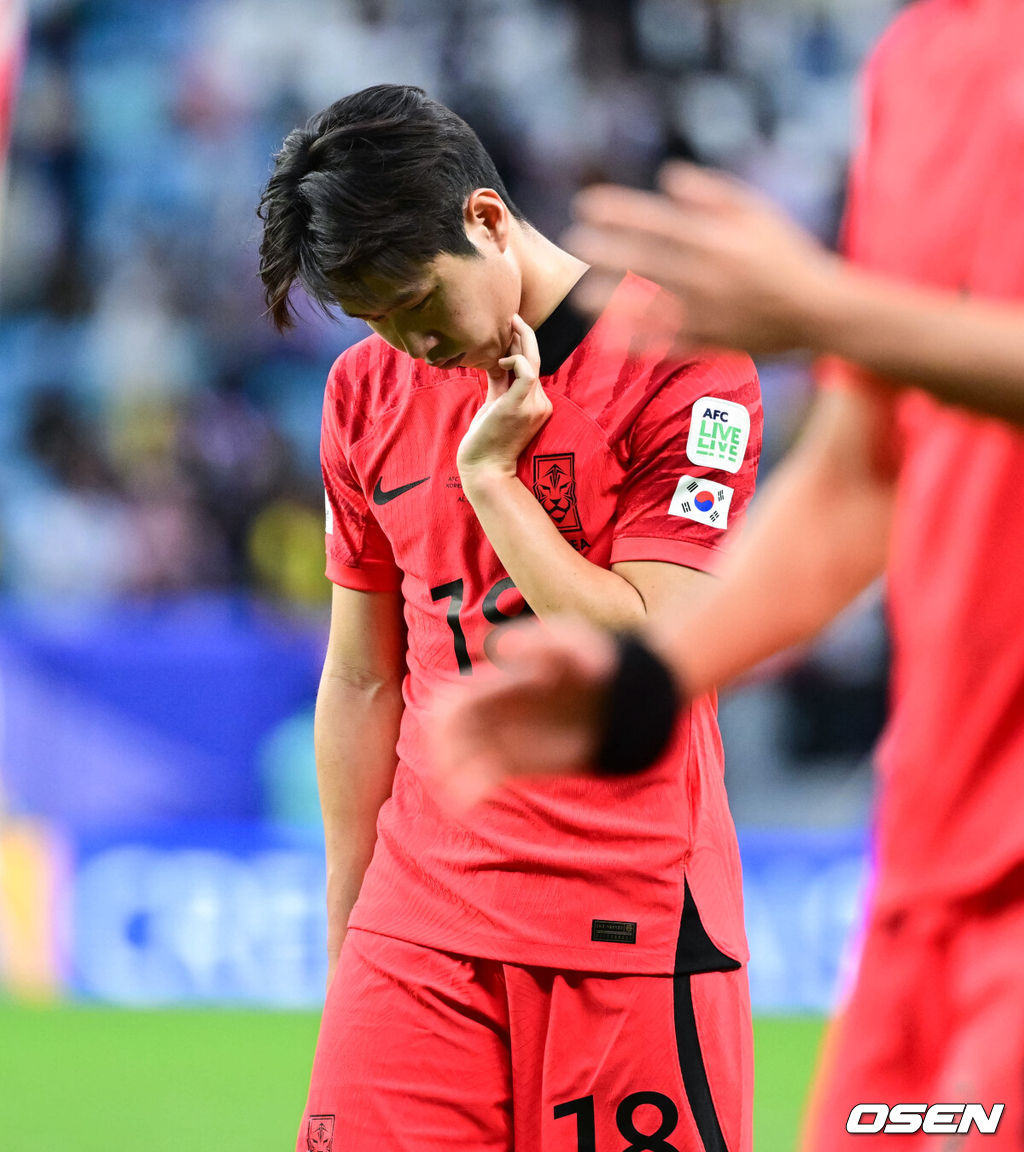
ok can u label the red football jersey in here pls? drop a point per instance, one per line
(645, 457)
(936, 198)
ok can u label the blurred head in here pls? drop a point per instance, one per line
(387, 204)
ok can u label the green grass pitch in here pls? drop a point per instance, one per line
(92, 1079)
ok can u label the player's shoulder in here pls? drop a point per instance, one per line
(650, 376)
(356, 390)
(725, 372)
(655, 316)
(361, 366)
(374, 371)
(366, 381)
(719, 391)
(681, 374)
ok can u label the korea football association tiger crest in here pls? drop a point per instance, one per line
(554, 485)
(320, 1134)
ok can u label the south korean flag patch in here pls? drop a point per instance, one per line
(705, 501)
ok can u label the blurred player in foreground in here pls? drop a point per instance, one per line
(892, 473)
(566, 964)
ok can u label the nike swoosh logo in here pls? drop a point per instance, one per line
(382, 496)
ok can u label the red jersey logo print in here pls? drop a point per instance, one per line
(554, 485)
(320, 1134)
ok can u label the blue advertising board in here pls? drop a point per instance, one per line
(136, 714)
(803, 895)
(235, 914)
(227, 914)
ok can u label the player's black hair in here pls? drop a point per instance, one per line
(373, 185)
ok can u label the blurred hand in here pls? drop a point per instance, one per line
(746, 276)
(515, 410)
(540, 716)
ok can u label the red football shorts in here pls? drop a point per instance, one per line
(423, 1051)
(936, 1017)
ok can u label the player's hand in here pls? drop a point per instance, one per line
(541, 715)
(747, 276)
(514, 412)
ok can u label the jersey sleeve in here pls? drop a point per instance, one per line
(359, 555)
(693, 456)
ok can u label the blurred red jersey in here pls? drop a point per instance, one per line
(937, 196)
(645, 457)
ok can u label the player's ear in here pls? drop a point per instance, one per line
(487, 218)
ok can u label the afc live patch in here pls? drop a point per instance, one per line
(613, 931)
(320, 1134)
(702, 500)
(719, 431)
(554, 485)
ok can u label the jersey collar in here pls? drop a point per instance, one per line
(562, 333)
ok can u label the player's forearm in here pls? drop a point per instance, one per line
(807, 550)
(965, 351)
(356, 731)
(552, 576)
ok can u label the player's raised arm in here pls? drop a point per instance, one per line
(358, 712)
(751, 279)
(553, 577)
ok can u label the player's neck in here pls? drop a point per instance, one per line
(548, 275)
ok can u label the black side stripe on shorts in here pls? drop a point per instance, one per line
(691, 1063)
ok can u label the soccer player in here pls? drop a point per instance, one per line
(564, 965)
(892, 473)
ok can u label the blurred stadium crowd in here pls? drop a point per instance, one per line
(153, 426)
(162, 598)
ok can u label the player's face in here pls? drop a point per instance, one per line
(457, 311)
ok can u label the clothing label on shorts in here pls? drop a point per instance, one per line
(613, 931)
(703, 501)
(329, 527)
(719, 431)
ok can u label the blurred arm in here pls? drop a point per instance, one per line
(749, 278)
(963, 351)
(358, 712)
(817, 537)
